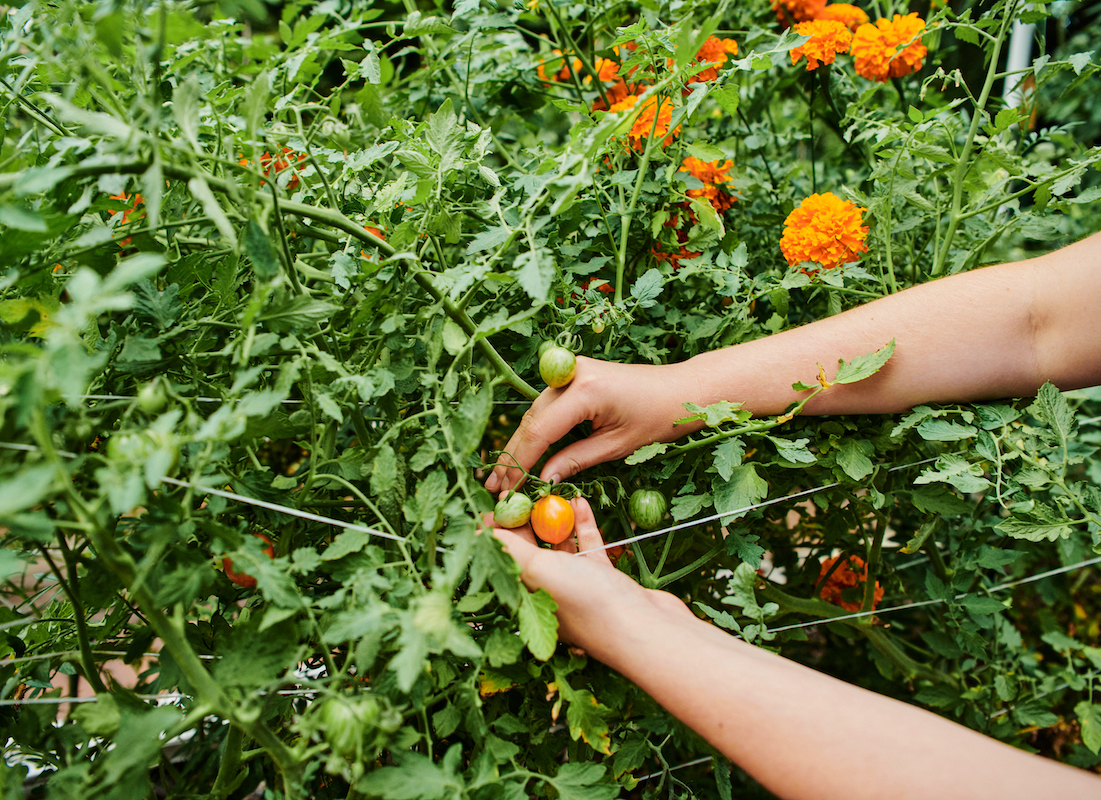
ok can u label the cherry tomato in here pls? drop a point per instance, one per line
(243, 579)
(512, 511)
(648, 508)
(557, 366)
(552, 518)
(598, 326)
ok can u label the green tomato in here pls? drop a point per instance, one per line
(513, 511)
(598, 326)
(343, 728)
(648, 508)
(557, 366)
(151, 397)
(545, 345)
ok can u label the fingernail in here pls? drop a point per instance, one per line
(555, 478)
(491, 483)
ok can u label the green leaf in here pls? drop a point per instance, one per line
(1043, 522)
(1052, 409)
(954, 469)
(863, 367)
(579, 781)
(260, 252)
(795, 452)
(300, 314)
(22, 219)
(728, 98)
(587, 719)
(416, 778)
(686, 506)
(646, 452)
(705, 151)
(1079, 61)
(1089, 718)
(26, 489)
(469, 421)
(942, 430)
(853, 458)
(647, 288)
(100, 718)
(538, 624)
(728, 455)
(744, 488)
(535, 271)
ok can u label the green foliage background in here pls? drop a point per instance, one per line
(241, 331)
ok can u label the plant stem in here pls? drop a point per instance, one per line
(963, 166)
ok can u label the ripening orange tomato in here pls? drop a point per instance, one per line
(552, 518)
(243, 579)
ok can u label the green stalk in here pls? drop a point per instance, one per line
(88, 661)
(676, 575)
(963, 166)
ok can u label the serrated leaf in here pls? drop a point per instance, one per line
(1051, 408)
(863, 367)
(795, 452)
(744, 488)
(728, 98)
(646, 452)
(705, 151)
(535, 271)
(587, 719)
(728, 455)
(1041, 523)
(942, 430)
(956, 470)
(297, 314)
(853, 458)
(647, 288)
(538, 624)
(1079, 61)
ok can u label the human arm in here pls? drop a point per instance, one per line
(802, 734)
(1001, 331)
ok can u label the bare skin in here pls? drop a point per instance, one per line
(804, 735)
(996, 332)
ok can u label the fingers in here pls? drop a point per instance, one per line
(553, 414)
(518, 547)
(588, 534)
(596, 449)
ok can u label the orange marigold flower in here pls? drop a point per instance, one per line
(607, 70)
(712, 174)
(852, 16)
(828, 38)
(125, 198)
(654, 118)
(789, 12)
(716, 52)
(876, 47)
(824, 229)
(562, 68)
(852, 573)
(707, 171)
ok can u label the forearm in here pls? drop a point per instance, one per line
(996, 332)
(807, 735)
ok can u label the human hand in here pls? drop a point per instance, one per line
(595, 600)
(630, 405)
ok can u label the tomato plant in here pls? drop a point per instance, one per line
(287, 267)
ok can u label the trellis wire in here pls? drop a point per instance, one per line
(920, 603)
(738, 511)
(286, 402)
